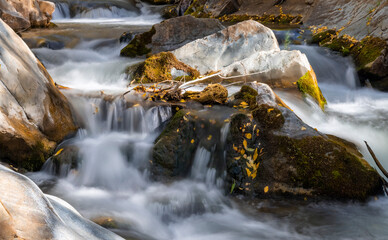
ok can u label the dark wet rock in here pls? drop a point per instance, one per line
(159, 2)
(212, 94)
(169, 12)
(170, 34)
(126, 37)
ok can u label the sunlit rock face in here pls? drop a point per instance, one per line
(249, 51)
(21, 15)
(26, 213)
(33, 113)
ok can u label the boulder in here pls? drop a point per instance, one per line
(48, 217)
(34, 114)
(249, 51)
(21, 15)
(267, 152)
(170, 34)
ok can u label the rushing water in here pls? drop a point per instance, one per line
(113, 178)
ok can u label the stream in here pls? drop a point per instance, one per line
(113, 181)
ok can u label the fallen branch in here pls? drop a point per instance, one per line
(376, 160)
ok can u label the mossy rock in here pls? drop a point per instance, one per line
(329, 169)
(138, 45)
(212, 94)
(367, 51)
(268, 116)
(308, 85)
(248, 95)
(324, 37)
(311, 166)
(158, 68)
(197, 9)
(159, 2)
(169, 12)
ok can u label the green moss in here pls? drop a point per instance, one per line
(341, 44)
(248, 95)
(173, 125)
(196, 9)
(367, 51)
(329, 168)
(138, 45)
(268, 117)
(307, 84)
(324, 37)
(265, 19)
(158, 68)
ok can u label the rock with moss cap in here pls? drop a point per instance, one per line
(170, 34)
(163, 66)
(274, 154)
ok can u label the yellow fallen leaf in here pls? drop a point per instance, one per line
(254, 175)
(266, 189)
(59, 152)
(270, 110)
(177, 130)
(303, 129)
(235, 148)
(192, 141)
(237, 158)
(242, 151)
(248, 172)
(185, 118)
(209, 137)
(245, 144)
(243, 103)
(248, 135)
(182, 100)
(177, 108)
(255, 155)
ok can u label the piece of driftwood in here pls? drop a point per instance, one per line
(376, 160)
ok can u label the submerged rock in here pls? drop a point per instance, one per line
(170, 34)
(48, 217)
(34, 114)
(269, 152)
(21, 15)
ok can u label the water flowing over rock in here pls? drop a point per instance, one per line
(34, 114)
(21, 15)
(27, 213)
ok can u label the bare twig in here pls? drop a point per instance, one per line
(376, 160)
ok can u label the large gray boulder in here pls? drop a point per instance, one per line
(249, 51)
(21, 15)
(171, 34)
(26, 213)
(34, 115)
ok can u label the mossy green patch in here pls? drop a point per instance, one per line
(197, 9)
(248, 95)
(367, 51)
(282, 19)
(329, 168)
(268, 117)
(138, 45)
(158, 68)
(307, 84)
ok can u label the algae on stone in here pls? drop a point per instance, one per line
(138, 45)
(308, 85)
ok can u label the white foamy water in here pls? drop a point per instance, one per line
(113, 177)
